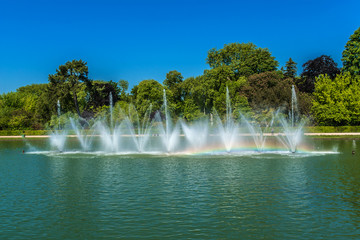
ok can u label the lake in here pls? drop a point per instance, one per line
(250, 196)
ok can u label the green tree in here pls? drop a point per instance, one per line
(244, 59)
(220, 79)
(268, 90)
(336, 101)
(25, 108)
(149, 92)
(290, 69)
(191, 110)
(123, 86)
(133, 92)
(10, 104)
(99, 96)
(196, 101)
(215, 82)
(36, 105)
(204, 93)
(351, 54)
(68, 78)
(173, 82)
(173, 79)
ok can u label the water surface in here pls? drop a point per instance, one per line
(257, 196)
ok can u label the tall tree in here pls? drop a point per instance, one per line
(133, 93)
(68, 78)
(290, 69)
(100, 93)
(351, 54)
(268, 90)
(312, 69)
(196, 96)
(173, 79)
(244, 59)
(36, 104)
(148, 92)
(123, 85)
(336, 101)
(173, 82)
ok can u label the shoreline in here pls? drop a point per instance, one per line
(246, 135)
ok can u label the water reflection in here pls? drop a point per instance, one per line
(167, 197)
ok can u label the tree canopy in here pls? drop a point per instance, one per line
(256, 88)
(244, 59)
(24, 109)
(149, 92)
(68, 78)
(173, 82)
(290, 69)
(268, 89)
(336, 101)
(123, 86)
(313, 68)
(351, 54)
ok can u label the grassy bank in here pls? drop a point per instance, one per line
(330, 129)
(22, 132)
(314, 129)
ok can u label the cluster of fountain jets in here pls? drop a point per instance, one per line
(160, 134)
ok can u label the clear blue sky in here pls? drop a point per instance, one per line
(137, 40)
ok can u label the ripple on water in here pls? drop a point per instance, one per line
(48, 195)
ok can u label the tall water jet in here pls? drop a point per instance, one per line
(58, 112)
(292, 128)
(138, 130)
(257, 133)
(111, 110)
(58, 137)
(109, 137)
(169, 134)
(84, 138)
(229, 130)
(294, 105)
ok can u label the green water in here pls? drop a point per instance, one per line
(260, 196)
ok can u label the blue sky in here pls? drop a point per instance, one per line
(138, 40)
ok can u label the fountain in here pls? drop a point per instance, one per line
(228, 131)
(58, 111)
(139, 130)
(196, 134)
(127, 132)
(58, 137)
(292, 127)
(111, 110)
(168, 133)
(84, 138)
(258, 134)
(109, 137)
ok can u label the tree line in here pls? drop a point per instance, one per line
(328, 95)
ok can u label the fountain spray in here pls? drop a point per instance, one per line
(111, 109)
(58, 111)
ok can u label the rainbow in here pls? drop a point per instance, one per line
(245, 148)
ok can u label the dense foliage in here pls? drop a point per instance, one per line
(66, 82)
(243, 59)
(314, 68)
(336, 101)
(250, 75)
(290, 69)
(351, 54)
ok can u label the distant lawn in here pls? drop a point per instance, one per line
(329, 129)
(22, 132)
(315, 129)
